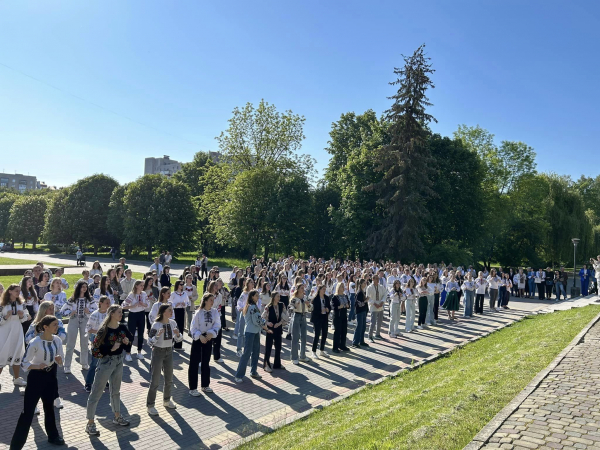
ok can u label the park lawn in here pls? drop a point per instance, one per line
(17, 262)
(441, 405)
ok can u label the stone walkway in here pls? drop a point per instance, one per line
(563, 411)
(233, 412)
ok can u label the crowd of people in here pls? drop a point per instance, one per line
(111, 313)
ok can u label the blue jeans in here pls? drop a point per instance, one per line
(361, 327)
(560, 288)
(89, 378)
(531, 282)
(240, 325)
(468, 303)
(352, 314)
(252, 347)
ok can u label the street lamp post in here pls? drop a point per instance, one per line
(575, 291)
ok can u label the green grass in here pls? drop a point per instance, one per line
(187, 258)
(441, 405)
(13, 261)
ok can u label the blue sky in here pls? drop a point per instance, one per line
(166, 75)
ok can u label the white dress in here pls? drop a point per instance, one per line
(12, 341)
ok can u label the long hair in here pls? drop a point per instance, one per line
(44, 306)
(135, 286)
(26, 292)
(360, 284)
(101, 334)
(103, 285)
(6, 295)
(210, 287)
(285, 286)
(161, 311)
(271, 301)
(251, 300)
(148, 283)
(247, 283)
(77, 291)
(205, 297)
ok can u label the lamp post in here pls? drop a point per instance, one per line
(575, 291)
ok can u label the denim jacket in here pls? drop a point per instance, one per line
(254, 322)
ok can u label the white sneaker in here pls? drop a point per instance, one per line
(235, 336)
(238, 380)
(305, 359)
(140, 357)
(419, 327)
(58, 403)
(314, 355)
(207, 390)
(152, 411)
(323, 353)
(169, 404)
(268, 369)
(19, 382)
(128, 357)
(85, 367)
(238, 354)
(67, 369)
(220, 360)
(295, 362)
(195, 393)
(392, 335)
(36, 411)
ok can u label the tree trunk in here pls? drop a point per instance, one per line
(128, 250)
(34, 242)
(266, 252)
(95, 250)
(23, 244)
(149, 248)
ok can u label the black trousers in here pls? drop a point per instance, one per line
(199, 355)
(276, 339)
(180, 320)
(436, 306)
(137, 321)
(203, 271)
(148, 324)
(31, 316)
(40, 384)
(223, 319)
(321, 327)
(479, 298)
(422, 310)
(340, 322)
(542, 290)
(217, 344)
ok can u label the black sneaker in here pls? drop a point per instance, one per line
(88, 388)
(56, 441)
(121, 421)
(364, 344)
(90, 429)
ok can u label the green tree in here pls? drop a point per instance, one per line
(115, 220)
(59, 221)
(6, 202)
(27, 218)
(192, 173)
(176, 218)
(406, 164)
(88, 202)
(353, 145)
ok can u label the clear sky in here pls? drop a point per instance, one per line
(142, 78)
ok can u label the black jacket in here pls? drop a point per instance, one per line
(316, 314)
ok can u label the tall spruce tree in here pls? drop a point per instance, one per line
(405, 163)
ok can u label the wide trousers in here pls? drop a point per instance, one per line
(199, 355)
(436, 305)
(162, 359)
(110, 369)
(341, 329)
(422, 310)
(274, 339)
(395, 318)
(479, 298)
(217, 344)
(468, 312)
(375, 325)
(76, 327)
(251, 352)
(298, 329)
(361, 327)
(429, 320)
(137, 322)
(321, 328)
(493, 298)
(410, 315)
(180, 321)
(40, 384)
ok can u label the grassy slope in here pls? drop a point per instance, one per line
(442, 405)
(16, 262)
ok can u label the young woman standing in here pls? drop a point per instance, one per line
(93, 325)
(362, 308)
(165, 278)
(43, 353)
(104, 289)
(115, 285)
(31, 300)
(43, 285)
(13, 314)
(160, 337)
(213, 288)
(509, 285)
(432, 286)
(78, 309)
(320, 320)
(164, 296)
(152, 293)
(180, 302)
(96, 269)
(396, 297)
(468, 288)
(205, 327)
(136, 303)
(240, 324)
(452, 303)
(340, 305)
(192, 292)
(423, 291)
(411, 294)
(300, 308)
(275, 316)
(493, 280)
(253, 324)
(108, 347)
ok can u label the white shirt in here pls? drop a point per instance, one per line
(137, 303)
(179, 300)
(376, 294)
(78, 307)
(480, 285)
(468, 285)
(98, 294)
(95, 320)
(493, 281)
(158, 269)
(58, 299)
(41, 351)
(15, 308)
(166, 338)
(153, 314)
(204, 321)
